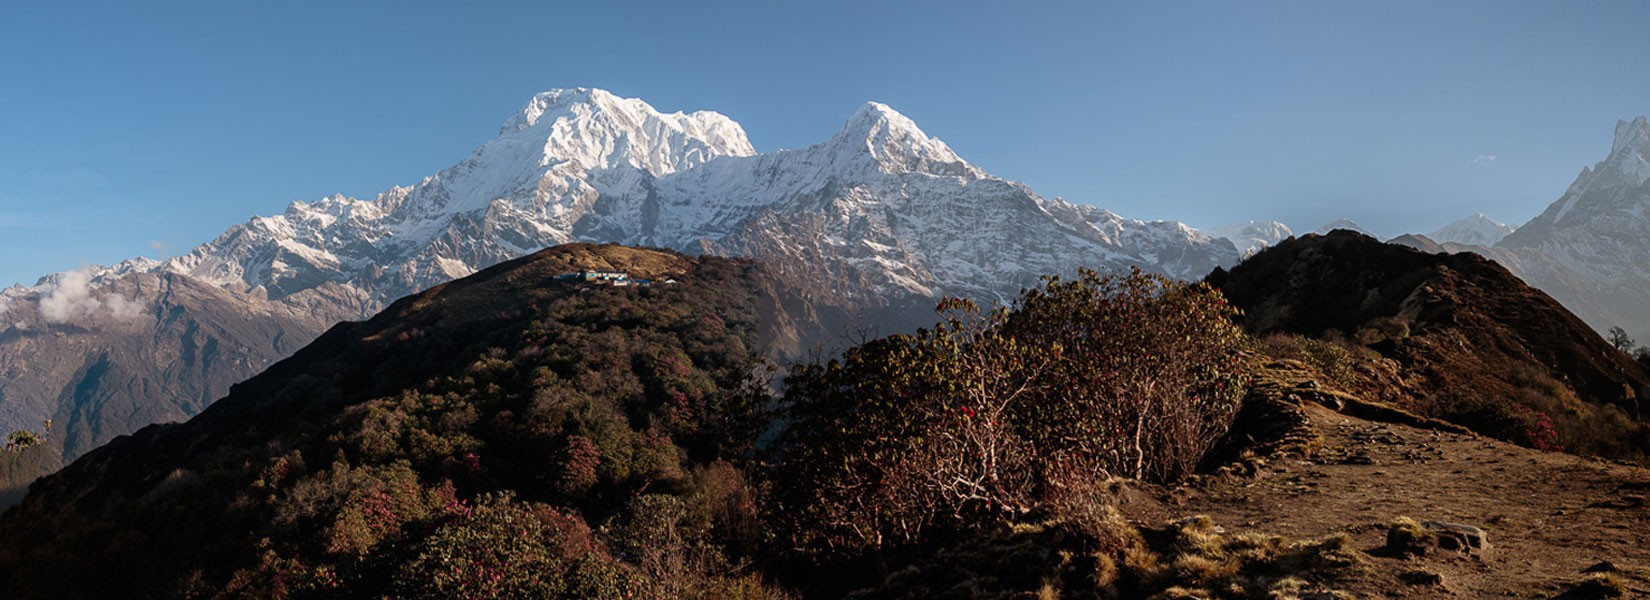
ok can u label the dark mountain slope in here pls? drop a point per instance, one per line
(456, 414)
(1466, 334)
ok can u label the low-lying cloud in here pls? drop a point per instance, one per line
(1482, 159)
(72, 296)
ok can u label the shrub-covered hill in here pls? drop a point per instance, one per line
(516, 435)
(1453, 336)
(466, 439)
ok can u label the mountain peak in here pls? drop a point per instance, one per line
(896, 144)
(1476, 230)
(596, 130)
(874, 111)
(1632, 134)
(1347, 224)
(1250, 236)
(1629, 162)
(554, 100)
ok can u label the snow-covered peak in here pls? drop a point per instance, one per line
(550, 101)
(881, 203)
(1250, 236)
(1345, 224)
(595, 129)
(1627, 168)
(1476, 230)
(895, 144)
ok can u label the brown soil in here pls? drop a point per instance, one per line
(1548, 515)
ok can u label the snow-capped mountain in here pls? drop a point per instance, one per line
(880, 200)
(1591, 248)
(1347, 224)
(1250, 236)
(1476, 230)
(571, 164)
(880, 214)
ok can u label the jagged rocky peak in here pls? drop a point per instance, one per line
(896, 145)
(596, 129)
(1632, 135)
(1629, 153)
(1603, 191)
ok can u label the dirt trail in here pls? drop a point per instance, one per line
(1547, 515)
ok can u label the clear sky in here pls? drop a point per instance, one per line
(144, 128)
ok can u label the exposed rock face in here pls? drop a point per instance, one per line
(1466, 539)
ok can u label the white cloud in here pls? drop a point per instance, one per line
(1482, 159)
(72, 296)
(157, 246)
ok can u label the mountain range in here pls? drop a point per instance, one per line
(515, 433)
(870, 226)
(880, 201)
(881, 218)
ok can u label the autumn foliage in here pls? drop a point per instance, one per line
(989, 413)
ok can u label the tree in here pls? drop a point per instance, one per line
(1618, 338)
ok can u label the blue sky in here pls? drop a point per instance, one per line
(132, 129)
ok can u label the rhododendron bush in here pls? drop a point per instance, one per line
(983, 415)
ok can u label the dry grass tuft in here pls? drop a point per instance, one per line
(1406, 537)
(1598, 585)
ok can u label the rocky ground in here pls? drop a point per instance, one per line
(1550, 518)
